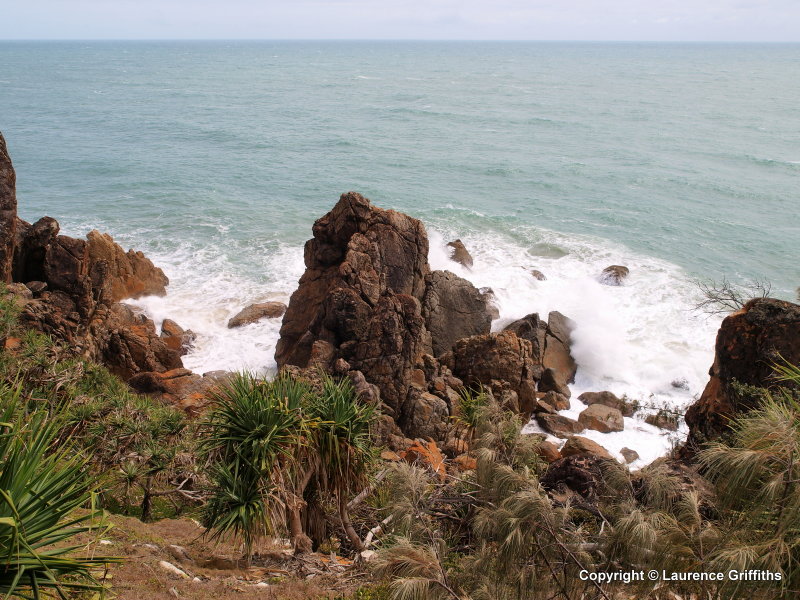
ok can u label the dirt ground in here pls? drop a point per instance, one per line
(170, 559)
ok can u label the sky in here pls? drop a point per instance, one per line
(620, 20)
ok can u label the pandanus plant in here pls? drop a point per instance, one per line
(42, 486)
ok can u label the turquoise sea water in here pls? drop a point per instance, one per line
(681, 161)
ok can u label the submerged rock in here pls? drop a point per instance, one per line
(608, 399)
(537, 274)
(614, 275)
(629, 455)
(256, 312)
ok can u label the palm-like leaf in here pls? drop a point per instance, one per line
(40, 489)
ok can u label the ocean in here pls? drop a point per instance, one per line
(680, 161)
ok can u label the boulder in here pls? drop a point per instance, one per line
(581, 445)
(426, 416)
(662, 420)
(131, 274)
(176, 337)
(629, 455)
(548, 451)
(256, 312)
(556, 400)
(460, 254)
(480, 359)
(608, 399)
(8, 212)
(614, 275)
(551, 382)
(550, 342)
(559, 425)
(453, 309)
(538, 275)
(749, 342)
(602, 418)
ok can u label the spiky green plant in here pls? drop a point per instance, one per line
(341, 441)
(41, 488)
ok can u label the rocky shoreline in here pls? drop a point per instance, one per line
(368, 307)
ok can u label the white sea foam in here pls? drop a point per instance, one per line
(635, 339)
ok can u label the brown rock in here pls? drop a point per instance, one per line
(614, 275)
(425, 417)
(556, 400)
(256, 312)
(8, 212)
(460, 254)
(629, 455)
(538, 275)
(559, 425)
(427, 454)
(548, 451)
(496, 356)
(130, 274)
(749, 342)
(662, 420)
(550, 342)
(580, 445)
(608, 399)
(175, 337)
(453, 309)
(180, 387)
(602, 418)
(551, 382)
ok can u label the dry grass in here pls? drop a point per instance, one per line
(215, 571)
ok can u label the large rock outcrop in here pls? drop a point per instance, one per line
(8, 212)
(453, 308)
(749, 343)
(74, 287)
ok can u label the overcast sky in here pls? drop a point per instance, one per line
(680, 20)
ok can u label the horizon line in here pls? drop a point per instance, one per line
(436, 40)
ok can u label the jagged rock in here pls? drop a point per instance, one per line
(180, 387)
(581, 445)
(614, 275)
(460, 254)
(176, 337)
(608, 399)
(256, 312)
(131, 274)
(8, 212)
(127, 343)
(36, 287)
(749, 342)
(556, 400)
(629, 455)
(540, 406)
(559, 425)
(538, 275)
(551, 382)
(550, 342)
(490, 300)
(453, 309)
(662, 421)
(579, 474)
(32, 242)
(602, 418)
(495, 356)
(361, 293)
(426, 416)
